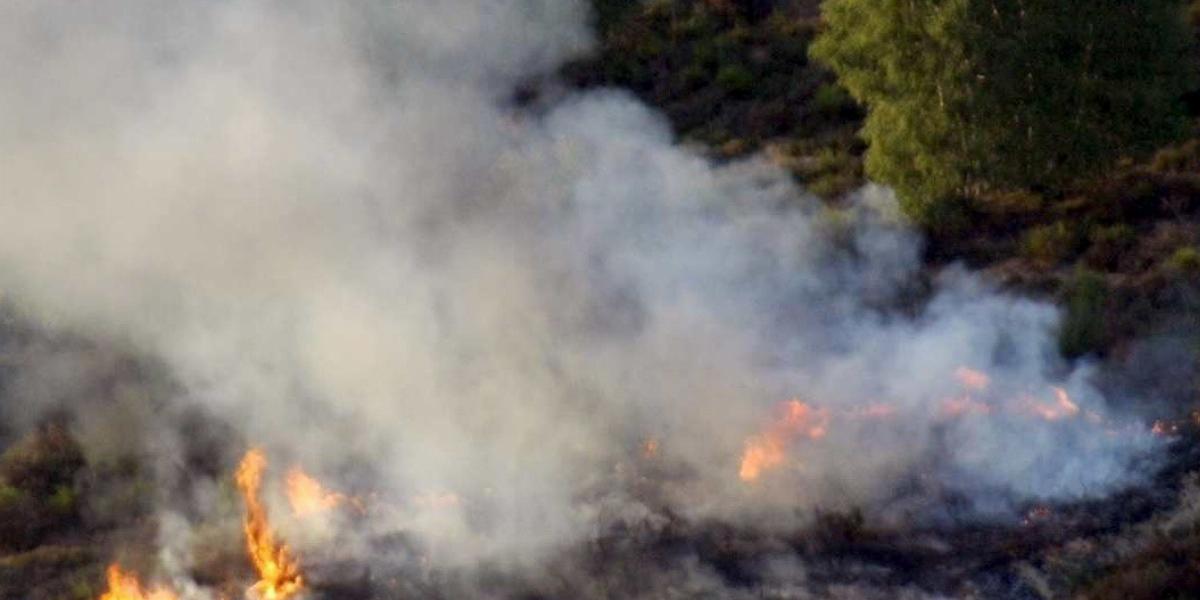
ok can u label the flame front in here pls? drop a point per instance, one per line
(307, 496)
(278, 572)
(768, 449)
(1061, 408)
(125, 586)
(971, 379)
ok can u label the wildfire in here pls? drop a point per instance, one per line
(972, 379)
(278, 572)
(1062, 406)
(650, 449)
(308, 497)
(125, 586)
(1037, 514)
(768, 449)
(1165, 428)
(957, 407)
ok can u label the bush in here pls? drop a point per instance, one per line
(1183, 157)
(18, 518)
(1012, 202)
(831, 99)
(37, 493)
(735, 79)
(1083, 327)
(1051, 244)
(1185, 261)
(1107, 244)
(608, 13)
(947, 218)
(42, 461)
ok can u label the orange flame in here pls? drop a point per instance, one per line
(767, 450)
(1062, 406)
(650, 449)
(125, 586)
(308, 497)
(972, 379)
(279, 573)
(957, 407)
(1164, 428)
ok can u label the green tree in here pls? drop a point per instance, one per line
(966, 96)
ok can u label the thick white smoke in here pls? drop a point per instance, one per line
(340, 235)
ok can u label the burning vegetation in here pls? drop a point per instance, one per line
(768, 449)
(278, 571)
(531, 346)
(126, 586)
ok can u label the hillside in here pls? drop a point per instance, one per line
(1119, 255)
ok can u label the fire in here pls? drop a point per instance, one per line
(1062, 407)
(972, 379)
(650, 449)
(125, 586)
(1164, 428)
(278, 572)
(957, 407)
(768, 449)
(1037, 514)
(308, 497)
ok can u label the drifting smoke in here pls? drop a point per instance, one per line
(339, 234)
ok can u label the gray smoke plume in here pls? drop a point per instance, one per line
(340, 235)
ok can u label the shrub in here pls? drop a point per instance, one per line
(1051, 244)
(1185, 260)
(37, 476)
(735, 79)
(1183, 157)
(831, 99)
(42, 461)
(1107, 244)
(1083, 326)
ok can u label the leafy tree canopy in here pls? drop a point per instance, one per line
(970, 95)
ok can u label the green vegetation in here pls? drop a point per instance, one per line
(1186, 261)
(1034, 171)
(37, 479)
(1083, 328)
(734, 79)
(1053, 243)
(967, 96)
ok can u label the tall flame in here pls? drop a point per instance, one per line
(125, 586)
(278, 572)
(767, 450)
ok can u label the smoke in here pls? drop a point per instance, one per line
(340, 235)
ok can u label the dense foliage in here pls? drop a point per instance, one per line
(967, 96)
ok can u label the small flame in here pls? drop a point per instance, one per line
(1061, 408)
(650, 449)
(1037, 514)
(125, 586)
(767, 450)
(957, 407)
(308, 497)
(279, 573)
(1165, 428)
(972, 379)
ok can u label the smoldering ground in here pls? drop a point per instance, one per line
(337, 234)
